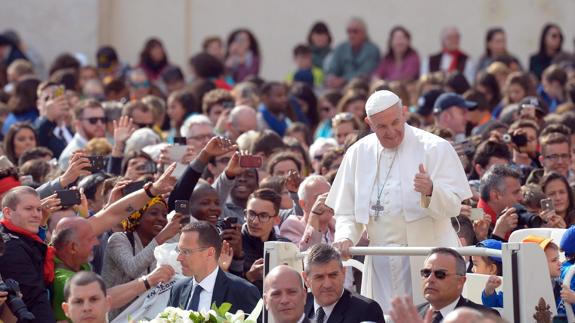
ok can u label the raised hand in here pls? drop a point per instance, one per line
(422, 182)
(218, 146)
(226, 256)
(49, 205)
(79, 166)
(117, 191)
(123, 129)
(166, 182)
(292, 181)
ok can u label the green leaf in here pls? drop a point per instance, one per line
(224, 308)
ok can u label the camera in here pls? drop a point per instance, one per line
(14, 302)
(518, 140)
(527, 219)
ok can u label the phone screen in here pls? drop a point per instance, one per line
(69, 198)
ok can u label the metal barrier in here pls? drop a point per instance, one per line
(527, 285)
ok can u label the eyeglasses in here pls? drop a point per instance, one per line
(94, 120)
(263, 217)
(202, 137)
(318, 157)
(353, 30)
(144, 125)
(555, 157)
(188, 252)
(439, 274)
(325, 109)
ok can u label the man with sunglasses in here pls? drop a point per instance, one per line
(90, 122)
(198, 250)
(442, 279)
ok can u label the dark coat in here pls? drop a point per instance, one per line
(23, 261)
(350, 308)
(228, 289)
(463, 302)
(47, 138)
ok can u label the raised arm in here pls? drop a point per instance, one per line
(121, 209)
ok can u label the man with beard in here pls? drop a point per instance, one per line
(90, 122)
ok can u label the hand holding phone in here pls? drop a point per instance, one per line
(132, 187)
(547, 205)
(182, 207)
(477, 214)
(250, 161)
(69, 198)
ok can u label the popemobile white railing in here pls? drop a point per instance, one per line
(527, 287)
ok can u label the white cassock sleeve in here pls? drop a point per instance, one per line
(450, 185)
(341, 199)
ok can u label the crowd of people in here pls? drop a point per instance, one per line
(102, 164)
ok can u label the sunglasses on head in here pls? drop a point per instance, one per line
(439, 274)
(95, 120)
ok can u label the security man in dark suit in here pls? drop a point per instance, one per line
(443, 278)
(284, 295)
(199, 250)
(329, 302)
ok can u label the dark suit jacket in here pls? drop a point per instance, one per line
(463, 302)
(349, 309)
(228, 289)
(46, 137)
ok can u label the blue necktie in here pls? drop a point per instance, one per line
(195, 300)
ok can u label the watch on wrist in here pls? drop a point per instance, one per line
(148, 189)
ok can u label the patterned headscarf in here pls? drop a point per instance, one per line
(131, 223)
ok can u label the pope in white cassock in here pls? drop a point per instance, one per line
(402, 185)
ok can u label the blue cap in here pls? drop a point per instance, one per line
(568, 242)
(491, 244)
(448, 100)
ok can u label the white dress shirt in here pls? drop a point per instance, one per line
(449, 308)
(327, 309)
(207, 284)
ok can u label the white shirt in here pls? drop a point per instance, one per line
(206, 294)
(449, 308)
(327, 309)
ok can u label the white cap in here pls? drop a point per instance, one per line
(380, 101)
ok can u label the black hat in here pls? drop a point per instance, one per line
(448, 100)
(426, 101)
(533, 101)
(105, 56)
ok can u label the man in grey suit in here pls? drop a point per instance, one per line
(199, 250)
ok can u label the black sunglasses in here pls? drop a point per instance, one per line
(144, 125)
(439, 274)
(95, 120)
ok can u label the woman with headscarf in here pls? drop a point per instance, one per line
(130, 254)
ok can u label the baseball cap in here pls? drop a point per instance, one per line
(426, 101)
(448, 100)
(541, 241)
(491, 244)
(105, 56)
(568, 242)
(532, 101)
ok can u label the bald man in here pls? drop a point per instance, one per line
(284, 295)
(74, 240)
(242, 118)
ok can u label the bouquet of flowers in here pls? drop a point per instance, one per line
(215, 315)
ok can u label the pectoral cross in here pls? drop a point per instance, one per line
(377, 208)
